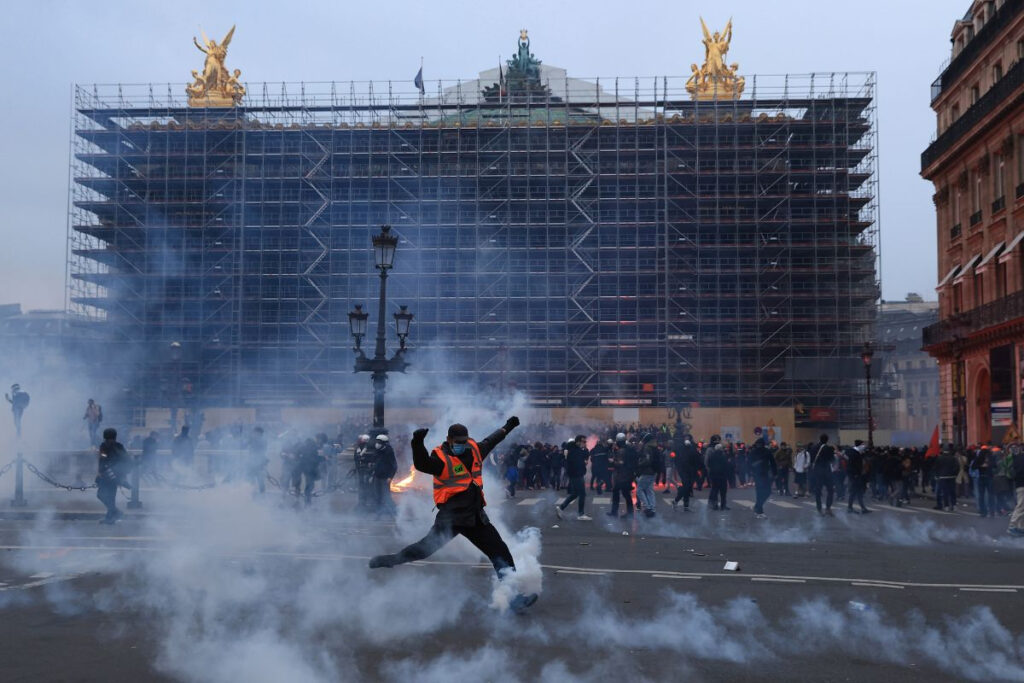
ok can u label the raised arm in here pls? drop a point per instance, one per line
(423, 460)
(201, 48)
(488, 444)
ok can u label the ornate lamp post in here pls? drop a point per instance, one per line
(384, 253)
(865, 355)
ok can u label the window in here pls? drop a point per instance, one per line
(955, 204)
(976, 193)
(1020, 49)
(954, 113)
(997, 72)
(975, 93)
(998, 176)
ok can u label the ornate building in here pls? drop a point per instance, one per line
(977, 166)
(616, 242)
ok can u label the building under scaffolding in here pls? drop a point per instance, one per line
(590, 242)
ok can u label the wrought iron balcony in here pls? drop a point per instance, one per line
(976, 45)
(975, 218)
(955, 232)
(964, 324)
(996, 96)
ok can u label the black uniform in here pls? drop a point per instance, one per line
(822, 460)
(576, 471)
(112, 471)
(599, 469)
(624, 461)
(307, 467)
(687, 465)
(385, 467)
(462, 514)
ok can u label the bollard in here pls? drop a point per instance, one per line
(19, 484)
(134, 503)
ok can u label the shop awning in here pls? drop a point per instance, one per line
(968, 269)
(1011, 246)
(989, 256)
(949, 276)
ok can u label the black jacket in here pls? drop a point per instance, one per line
(576, 461)
(688, 459)
(762, 463)
(717, 461)
(386, 465)
(465, 508)
(113, 462)
(823, 458)
(854, 462)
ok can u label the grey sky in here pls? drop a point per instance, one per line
(51, 45)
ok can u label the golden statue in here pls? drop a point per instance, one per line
(715, 80)
(215, 87)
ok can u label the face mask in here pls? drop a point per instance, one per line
(458, 448)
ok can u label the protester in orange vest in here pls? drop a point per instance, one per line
(456, 466)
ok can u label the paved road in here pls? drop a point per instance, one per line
(222, 587)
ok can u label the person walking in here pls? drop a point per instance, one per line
(946, 469)
(385, 467)
(857, 471)
(457, 468)
(111, 473)
(624, 462)
(783, 463)
(576, 456)
(763, 470)
(687, 465)
(19, 401)
(93, 417)
(716, 462)
(600, 469)
(648, 466)
(801, 464)
(982, 470)
(1016, 527)
(823, 460)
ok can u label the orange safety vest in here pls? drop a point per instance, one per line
(454, 477)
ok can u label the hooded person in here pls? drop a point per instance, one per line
(385, 467)
(457, 468)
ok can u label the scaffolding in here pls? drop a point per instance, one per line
(610, 242)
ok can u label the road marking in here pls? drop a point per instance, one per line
(602, 500)
(743, 503)
(50, 578)
(528, 501)
(990, 590)
(769, 580)
(582, 573)
(872, 584)
(784, 504)
(675, 576)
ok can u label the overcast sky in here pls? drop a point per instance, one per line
(51, 45)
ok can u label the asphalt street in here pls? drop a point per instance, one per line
(172, 593)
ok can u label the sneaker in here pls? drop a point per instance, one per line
(1014, 531)
(760, 515)
(558, 511)
(584, 518)
(382, 561)
(521, 602)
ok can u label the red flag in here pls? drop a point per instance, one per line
(933, 445)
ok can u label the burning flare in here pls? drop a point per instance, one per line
(403, 484)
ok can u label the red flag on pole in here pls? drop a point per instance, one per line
(933, 445)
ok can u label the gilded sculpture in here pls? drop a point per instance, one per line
(715, 79)
(216, 86)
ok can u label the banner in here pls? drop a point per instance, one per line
(1002, 413)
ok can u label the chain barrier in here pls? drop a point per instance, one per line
(181, 487)
(34, 470)
(7, 468)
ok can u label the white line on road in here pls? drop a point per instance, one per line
(582, 573)
(41, 582)
(784, 504)
(871, 584)
(743, 503)
(602, 500)
(528, 501)
(769, 580)
(990, 590)
(675, 576)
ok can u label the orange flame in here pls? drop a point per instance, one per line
(403, 484)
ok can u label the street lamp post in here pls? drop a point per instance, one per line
(866, 356)
(959, 412)
(174, 351)
(380, 365)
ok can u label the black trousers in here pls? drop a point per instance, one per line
(719, 485)
(624, 489)
(484, 536)
(106, 491)
(577, 491)
(685, 489)
(820, 480)
(858, 485)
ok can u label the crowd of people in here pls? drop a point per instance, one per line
(632, 464)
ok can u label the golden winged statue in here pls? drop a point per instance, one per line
(715, 79)
(216, 86)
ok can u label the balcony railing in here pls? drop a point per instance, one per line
(975, 218)
(975, 320)
(999, 204)
(955, 232)
(1020, 191)
(996, 96)
(983, 39)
